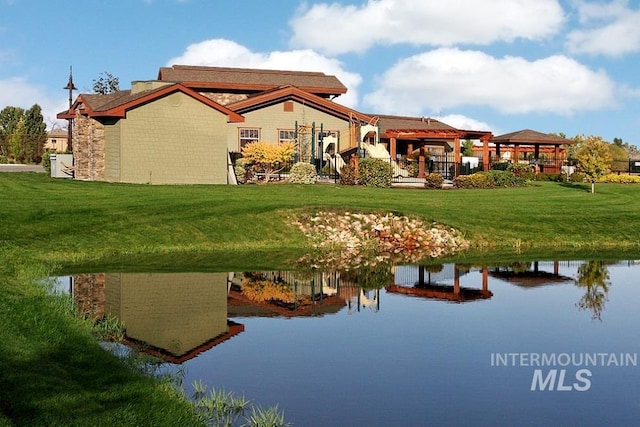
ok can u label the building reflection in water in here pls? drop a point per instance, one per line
(529, 274)
(176, 316)
(431, 282)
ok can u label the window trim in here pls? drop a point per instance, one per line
(248, 139)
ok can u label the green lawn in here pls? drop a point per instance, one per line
(53, 373)
(66, 221)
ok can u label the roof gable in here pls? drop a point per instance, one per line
(118, 103)
(289, 92)
(250, 80)
(528, 136)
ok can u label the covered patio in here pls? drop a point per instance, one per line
(540, 149)
(405, 135)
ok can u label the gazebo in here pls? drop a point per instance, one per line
(529, 142)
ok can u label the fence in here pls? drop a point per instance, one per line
(407, 171)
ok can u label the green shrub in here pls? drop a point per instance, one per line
(500, 166)
(375, 173)
(489, 179)
(326, 170)
(240, 170)
(499, 178)
(433, 180)
(543, 176)
(303, 173)
(46, 162)
(348, 175)
(412, 168)
(521, 170)
(614, 178)
(4, 160)
(476, 180)
(578, 177)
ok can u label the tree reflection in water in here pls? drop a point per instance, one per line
(593, 276)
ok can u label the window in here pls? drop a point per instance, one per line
(285, 135)
(327, 134)
(287, 106)
(248, 135)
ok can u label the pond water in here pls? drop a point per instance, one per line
(539, 343)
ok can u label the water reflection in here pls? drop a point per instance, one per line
(174, 316)
(593, 276)
(395, 333)
(530, 274)
(431, 283)
(177, 316)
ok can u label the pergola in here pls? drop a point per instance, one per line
(425, 289)
(403, 135)
(526, 138)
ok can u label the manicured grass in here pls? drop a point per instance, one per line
(66, 221)
(53, 373)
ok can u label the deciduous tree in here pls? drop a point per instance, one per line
(593, 277)
(106, 83)
(268, 157)
(467, 148)
(594, 159)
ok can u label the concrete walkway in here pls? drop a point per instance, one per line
(21, 168)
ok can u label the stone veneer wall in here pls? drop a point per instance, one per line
(224, 98)
(89, 295)
(88, 148)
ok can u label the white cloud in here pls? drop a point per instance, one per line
(460, 121)
(446, 78)
(612, 29)
(226, 53)
(18, 92)
(335, 28)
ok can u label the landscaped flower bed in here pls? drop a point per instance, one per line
(350, 240)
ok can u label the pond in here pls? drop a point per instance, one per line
(527, 343)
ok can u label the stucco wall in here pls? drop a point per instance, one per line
(174, 140)
(176, 312)
(273, 118)
(112, 152)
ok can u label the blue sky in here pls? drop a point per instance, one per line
(568, 66)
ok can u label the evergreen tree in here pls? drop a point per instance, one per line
(16, 141)
(36, 134)
(22, 134)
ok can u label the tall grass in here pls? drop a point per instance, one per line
(53, 372)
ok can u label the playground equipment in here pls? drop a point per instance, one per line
(379, 151)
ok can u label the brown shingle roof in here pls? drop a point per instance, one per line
(116, 104)
(246, 79)
(99, 102)
(528, 136)
(400, 123)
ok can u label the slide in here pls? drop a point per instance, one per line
(336, 163)
(378, 151)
